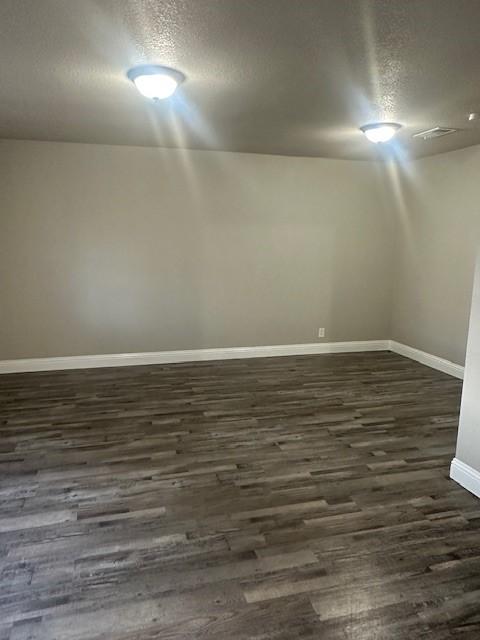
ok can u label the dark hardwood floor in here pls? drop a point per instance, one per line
(266, 499)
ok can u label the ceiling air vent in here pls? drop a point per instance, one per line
(436, 132)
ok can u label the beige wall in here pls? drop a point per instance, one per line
(109, 249)
(437, 207)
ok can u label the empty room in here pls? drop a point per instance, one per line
(239, 320)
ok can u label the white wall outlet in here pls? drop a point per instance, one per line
(321, 332)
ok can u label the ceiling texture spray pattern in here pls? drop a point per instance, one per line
(265, 76)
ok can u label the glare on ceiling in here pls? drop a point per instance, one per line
(380, 131)
(155, 81)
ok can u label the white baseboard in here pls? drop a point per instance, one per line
(428, 359)
(466, 476)
(227, 353)
(190, 355)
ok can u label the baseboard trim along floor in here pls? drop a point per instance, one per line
(188, 355)
(466, 476)
(199, 355)
(428, 359)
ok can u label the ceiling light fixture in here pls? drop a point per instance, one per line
(154, 81)
(380, 131)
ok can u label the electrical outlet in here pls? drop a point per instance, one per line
(321, 332)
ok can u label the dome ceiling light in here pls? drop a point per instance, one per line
(155, 81)
(380, 131)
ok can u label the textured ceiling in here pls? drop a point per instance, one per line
(293, 77)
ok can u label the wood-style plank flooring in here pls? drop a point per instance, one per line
(267, 499)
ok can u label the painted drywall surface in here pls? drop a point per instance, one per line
(468, 442)
(109, 249)
(437, 207)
